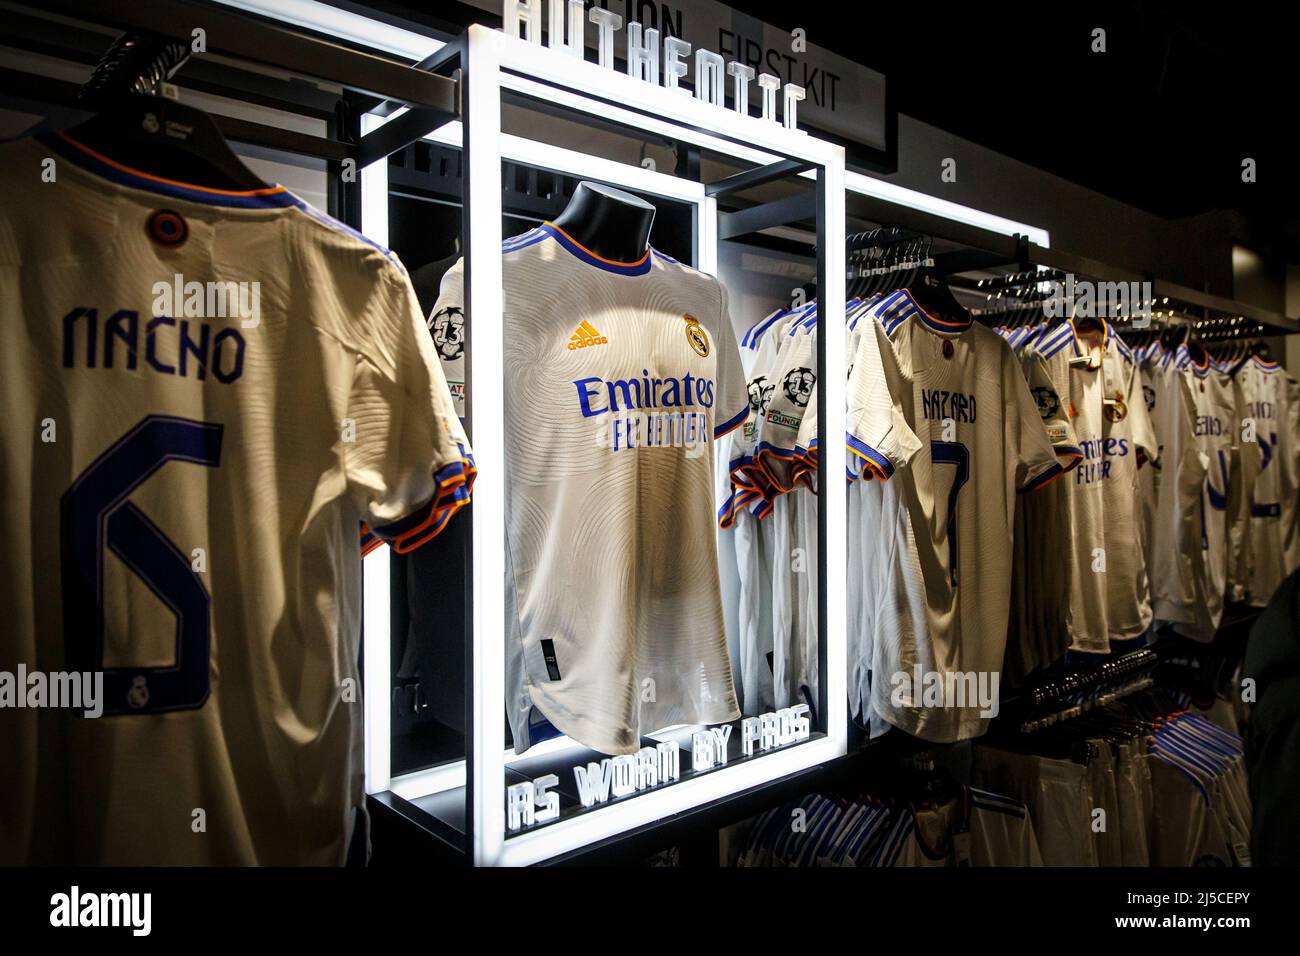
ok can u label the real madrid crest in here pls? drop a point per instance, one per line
(1116, 411)
(696, 335)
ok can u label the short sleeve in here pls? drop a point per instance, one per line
(447, 329)
(1053, 410)
(407, 460)
(751, 486)
(877, 432)
(1034, 455)
(731, 406)
(804, 469)
(778, 455)
(1144, 435)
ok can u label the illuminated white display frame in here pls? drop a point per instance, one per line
(494, 63)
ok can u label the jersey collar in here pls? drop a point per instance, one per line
(638, 268)
(933, 322)
(104, 167)
(1078, 342)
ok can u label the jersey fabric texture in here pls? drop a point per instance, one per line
(943, 570)
(190, 524)
(619, 379)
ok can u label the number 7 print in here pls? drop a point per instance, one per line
(952, 453)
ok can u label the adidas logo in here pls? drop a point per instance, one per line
(585, 337)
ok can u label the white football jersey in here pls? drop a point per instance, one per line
(1102, 393)
(1041, 582)
(755, 489)
(751, 537)
(781, 454)
(1241, 493)
(206, 393)
(1268, 416)
(1290, 499)
(976, 439)
(1198, 439)
(1178, 484)
(619, 379)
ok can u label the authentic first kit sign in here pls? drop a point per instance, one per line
(840, 97)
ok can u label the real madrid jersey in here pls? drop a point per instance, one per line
(619, 378)
(1101, 548)
(206, 393)
(1267, 419)
(943, 591)
(1197, 433)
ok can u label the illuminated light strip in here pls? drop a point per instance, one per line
(648, 122)
(870, 186)
(583, 165)
(484, 298)
(376, 618)
(855, 182)
(377, 662)
(448, 776)
(353, 27)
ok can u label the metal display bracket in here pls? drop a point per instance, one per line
(253, 42)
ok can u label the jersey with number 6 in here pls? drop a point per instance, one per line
(206, 393)
(947, 514)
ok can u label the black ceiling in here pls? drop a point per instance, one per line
(1161, 120)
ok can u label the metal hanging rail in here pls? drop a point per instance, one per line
(985, 249)
(230, 35)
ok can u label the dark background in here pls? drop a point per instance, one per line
(1161, 121)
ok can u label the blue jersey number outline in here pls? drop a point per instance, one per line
(95, 515)
(952, 453)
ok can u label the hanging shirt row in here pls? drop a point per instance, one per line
(969, 562)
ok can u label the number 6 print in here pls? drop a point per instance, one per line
(96, 515)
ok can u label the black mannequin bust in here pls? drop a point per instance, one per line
(609, 222)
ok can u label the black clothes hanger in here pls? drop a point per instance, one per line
(150, 133)
(1173, 337)
(1260, 349)
(609, 222)
(929, 289)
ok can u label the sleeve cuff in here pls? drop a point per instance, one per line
(869, 458)
(1068, 456)
(453, 484)
(731, 424)
(1043, 478)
